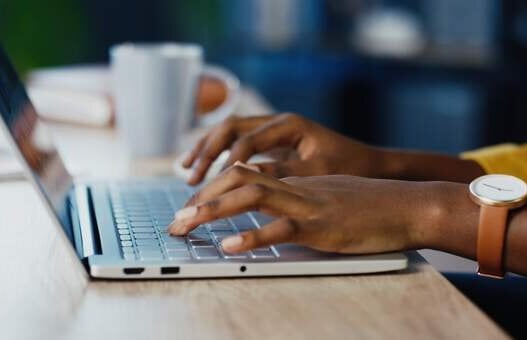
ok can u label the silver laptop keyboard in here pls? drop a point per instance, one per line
(141, 217)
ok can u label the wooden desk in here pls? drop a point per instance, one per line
(45, 294)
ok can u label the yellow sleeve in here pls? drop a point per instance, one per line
(509, 159)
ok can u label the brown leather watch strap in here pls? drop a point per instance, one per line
(491, 240)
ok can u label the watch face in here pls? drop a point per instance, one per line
(499, 189)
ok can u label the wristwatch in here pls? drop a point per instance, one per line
(496, 194)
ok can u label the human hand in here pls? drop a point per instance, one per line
(318, 150)
(340, 213)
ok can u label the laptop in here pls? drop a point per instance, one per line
(117, 229)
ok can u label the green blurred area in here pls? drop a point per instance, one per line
(38, 33)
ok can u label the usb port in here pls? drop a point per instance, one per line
(133, 271)
(169, 270)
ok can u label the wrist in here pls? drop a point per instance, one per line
(390, 163)
(426, 166)
(447, 219)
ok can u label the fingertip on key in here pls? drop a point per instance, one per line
(232, 243)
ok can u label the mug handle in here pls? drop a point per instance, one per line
(226, 108)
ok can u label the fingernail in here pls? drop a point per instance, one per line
(232, 242)
(248, 166)
(176, 229)
(193, 178)
(185, 213)
(172, 227)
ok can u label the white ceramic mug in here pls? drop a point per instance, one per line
(154, 88)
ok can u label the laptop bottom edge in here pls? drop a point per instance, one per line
(355, 265)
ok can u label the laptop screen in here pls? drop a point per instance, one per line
(30, 134)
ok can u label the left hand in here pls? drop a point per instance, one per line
(339, 213)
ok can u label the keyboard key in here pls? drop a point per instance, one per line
(125, 237)
(120, 220)
(163, 226)
(193, 235)
(126, 243)
(129, 256)
(220, 225)
(202, 243)
(243, 222)
(128, 249)
(143, 236)
(247, 228)
(124, 231)
(147, 248)
(143, 213)
(168, 213)
(175, 246)
(140, 218)
(262, 253)
(173, 255)
(206, 253)
(222, 234)
(143, 229)
(146, 242)
(163, 221)
(151, 256)
(122, 226)
(236, 256)
(141, 224)
(262, 219)
(173, 239)
(201, 229)
(137, 211)
(179, 199)
(136, 205)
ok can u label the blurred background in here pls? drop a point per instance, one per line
(443, 75)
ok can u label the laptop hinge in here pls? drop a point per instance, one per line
(88, 226)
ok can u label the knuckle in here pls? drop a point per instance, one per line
(236, 173)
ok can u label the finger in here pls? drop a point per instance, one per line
(249, 197)
(279, 132)
(191, 157)
(283, 230)
(251, 167)
(217, 142)
(235, 177)
(220, 139)
(290, 168)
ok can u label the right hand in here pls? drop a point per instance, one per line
(319, 151)
(344, 214)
